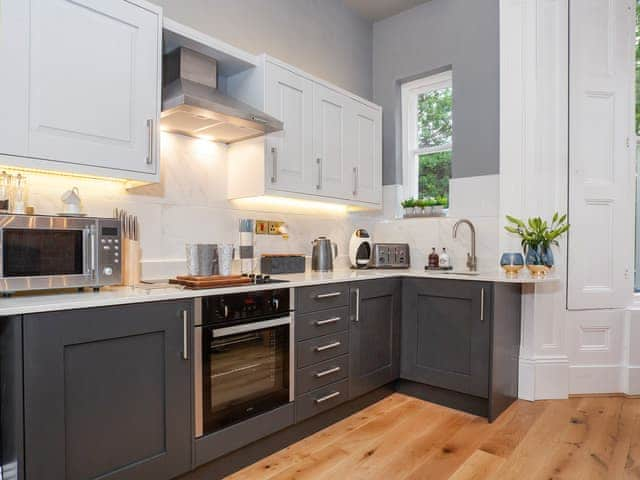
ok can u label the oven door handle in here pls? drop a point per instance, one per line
(250, 327)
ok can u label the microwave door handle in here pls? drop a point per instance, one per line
(86, 243)
(92, 249)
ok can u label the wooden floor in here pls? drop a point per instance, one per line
(405, 438)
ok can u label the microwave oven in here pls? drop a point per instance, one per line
(39, 252)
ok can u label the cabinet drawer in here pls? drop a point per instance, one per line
(321, 323)
(321, 374)
(321, 400)
(321, 349)
(322, 297)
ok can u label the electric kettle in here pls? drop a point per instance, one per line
(322, 254)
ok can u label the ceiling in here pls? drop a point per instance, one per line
(375, 10)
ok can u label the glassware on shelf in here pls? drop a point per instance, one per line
(19, 194)
(5, 191)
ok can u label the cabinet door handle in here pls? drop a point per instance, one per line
(274, 159)
(328, 320)
(319, 184)
(150, 142)
(328, 372)
(327, 397)
(357, 317)
(356, 181)
(329, 346)
(482, 304)
(185, 335)
(328, 295)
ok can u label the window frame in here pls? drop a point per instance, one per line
(411, 151)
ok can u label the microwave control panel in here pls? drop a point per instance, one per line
(109, 265)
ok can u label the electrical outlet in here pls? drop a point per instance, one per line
(262, 227)
(274, 228)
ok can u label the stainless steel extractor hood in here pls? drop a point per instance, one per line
(193, 105)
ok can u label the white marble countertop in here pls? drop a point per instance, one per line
(55, 301)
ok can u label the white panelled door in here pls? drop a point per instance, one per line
(89, 75)
(289, 97)
(600, 273)
(332, 176)
(366, 157)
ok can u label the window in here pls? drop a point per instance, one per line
(427, 110)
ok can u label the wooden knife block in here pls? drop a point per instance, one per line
(130, 262)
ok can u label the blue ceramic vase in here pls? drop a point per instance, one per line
(539, 256)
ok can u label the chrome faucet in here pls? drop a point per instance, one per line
(472, 261)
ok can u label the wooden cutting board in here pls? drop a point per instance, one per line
(214, 281)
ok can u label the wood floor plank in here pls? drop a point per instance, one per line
(537, 445)
(370, 457)
(363, 444)
(479, 466)
(568, 453)
(404, 461)
(632, 463)
(402, 437)
(444, 461)
(603, 434)
(629, 423)
(299, 451)
(505, 437)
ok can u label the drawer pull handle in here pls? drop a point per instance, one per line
(482, 305)
(328, 372)
(328, 320)
(328, 347)
(327, 397)
(328, 295)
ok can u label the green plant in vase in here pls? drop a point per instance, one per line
(408, 206)
(422, 206)
(537, 237)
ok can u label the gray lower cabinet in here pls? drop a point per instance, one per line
(446, 330)
(461, 339)
(374, 334)
(107, 393)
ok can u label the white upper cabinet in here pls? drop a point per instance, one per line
(289, 97)
(330, 148)
(331, 127)
(83, 93)
(366, 172)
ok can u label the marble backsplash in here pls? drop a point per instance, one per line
(189, 205)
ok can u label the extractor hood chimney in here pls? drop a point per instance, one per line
(192, 104)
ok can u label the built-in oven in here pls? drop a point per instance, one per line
(243, 351)
(44, 252)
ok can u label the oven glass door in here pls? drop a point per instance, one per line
(244, 374)
(43, 252)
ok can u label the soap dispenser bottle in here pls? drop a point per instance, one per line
(444, 260)
(434, 260)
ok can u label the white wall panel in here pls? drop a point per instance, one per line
(600, 161)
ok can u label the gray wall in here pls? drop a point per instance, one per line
(322, 37)
(458, 33)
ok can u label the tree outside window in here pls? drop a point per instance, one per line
(428, 131)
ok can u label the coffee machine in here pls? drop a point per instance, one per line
(360, 248)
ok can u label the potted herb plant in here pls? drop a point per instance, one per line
(439, 204)
(537, 238)
(422, 207)
(408, 206)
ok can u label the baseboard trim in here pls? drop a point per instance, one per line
(543, 378)
(603, 395)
